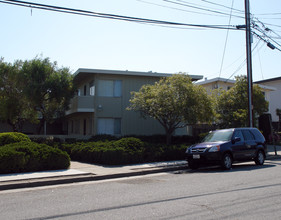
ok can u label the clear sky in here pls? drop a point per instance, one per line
(87, 42)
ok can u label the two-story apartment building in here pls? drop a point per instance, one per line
(99, 106)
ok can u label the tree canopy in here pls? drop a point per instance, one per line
(232, 105)
(15, 108)
(174, 102)
(33, 89)
(48, 87)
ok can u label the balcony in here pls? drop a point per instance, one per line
(81, 104)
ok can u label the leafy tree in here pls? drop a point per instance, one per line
(15, 108)
(174, 102)
(48, 87)
(232, 105)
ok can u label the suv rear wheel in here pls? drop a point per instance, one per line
(226, 162)
(259, 160)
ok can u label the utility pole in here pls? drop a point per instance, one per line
(249, 62)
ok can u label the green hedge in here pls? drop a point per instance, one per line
(124, 151)
(12, 137)
(29, 157)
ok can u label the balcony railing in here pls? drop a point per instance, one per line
(81, 104)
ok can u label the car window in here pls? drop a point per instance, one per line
(258, 135)
(248, 135)
(239, 135)
(218, 136)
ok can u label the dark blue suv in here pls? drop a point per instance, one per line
(223, 147)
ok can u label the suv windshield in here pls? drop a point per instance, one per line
(217, 136)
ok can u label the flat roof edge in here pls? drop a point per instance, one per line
(131, 73)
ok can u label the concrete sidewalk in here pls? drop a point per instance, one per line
(79, 172)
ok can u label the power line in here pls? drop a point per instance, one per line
(109, 16)
(224, 6)
(266, 41)
(182, 3)
(226, 39)
(243, 62)
(180, 9)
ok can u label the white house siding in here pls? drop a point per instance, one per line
(274, 97)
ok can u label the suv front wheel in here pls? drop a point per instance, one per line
(259, 160)
(226, 162)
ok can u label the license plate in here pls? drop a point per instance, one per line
(196, 156)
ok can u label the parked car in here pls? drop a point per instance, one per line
(225, 146)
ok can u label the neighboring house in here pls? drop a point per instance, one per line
(226, 84)
(99, 106)
(216, 83)
(275, 98)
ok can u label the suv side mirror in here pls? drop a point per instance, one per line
(235, 139)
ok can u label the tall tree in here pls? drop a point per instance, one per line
(232, 105)
(49, 87)
(174, 102)
(15, 108)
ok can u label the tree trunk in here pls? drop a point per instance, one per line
(14, 127)
(168, 138)
(40, 126)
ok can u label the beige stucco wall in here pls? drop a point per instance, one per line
(115, 107)
(216, 85)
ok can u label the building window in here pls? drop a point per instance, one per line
(110, 88)
(85, 90)
(110, 126)
(72, 127)
(229, 87)
(92, 88)
(85, 127)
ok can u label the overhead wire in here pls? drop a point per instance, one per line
(225, 44)
(263, 39)
(180, 9)
(109, 16)
(182, 3)
(243, 62)
(224, 6)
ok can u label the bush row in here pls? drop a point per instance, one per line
(124, 151)
(29, 156)
(155, 139)
(12, 137)
(20, 154)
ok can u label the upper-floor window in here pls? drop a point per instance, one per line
(92, 88)
(110, 88)
(85, 90)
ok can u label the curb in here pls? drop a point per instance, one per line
(37, 182)
(273, 157)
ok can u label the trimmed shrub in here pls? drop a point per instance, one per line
(129, 143)
(124, 151)
(12, 137)
(30, 156)
(162, 139)
(49, 140)
(103, 137)
(11, 161)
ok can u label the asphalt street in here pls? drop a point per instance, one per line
(245, 192)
